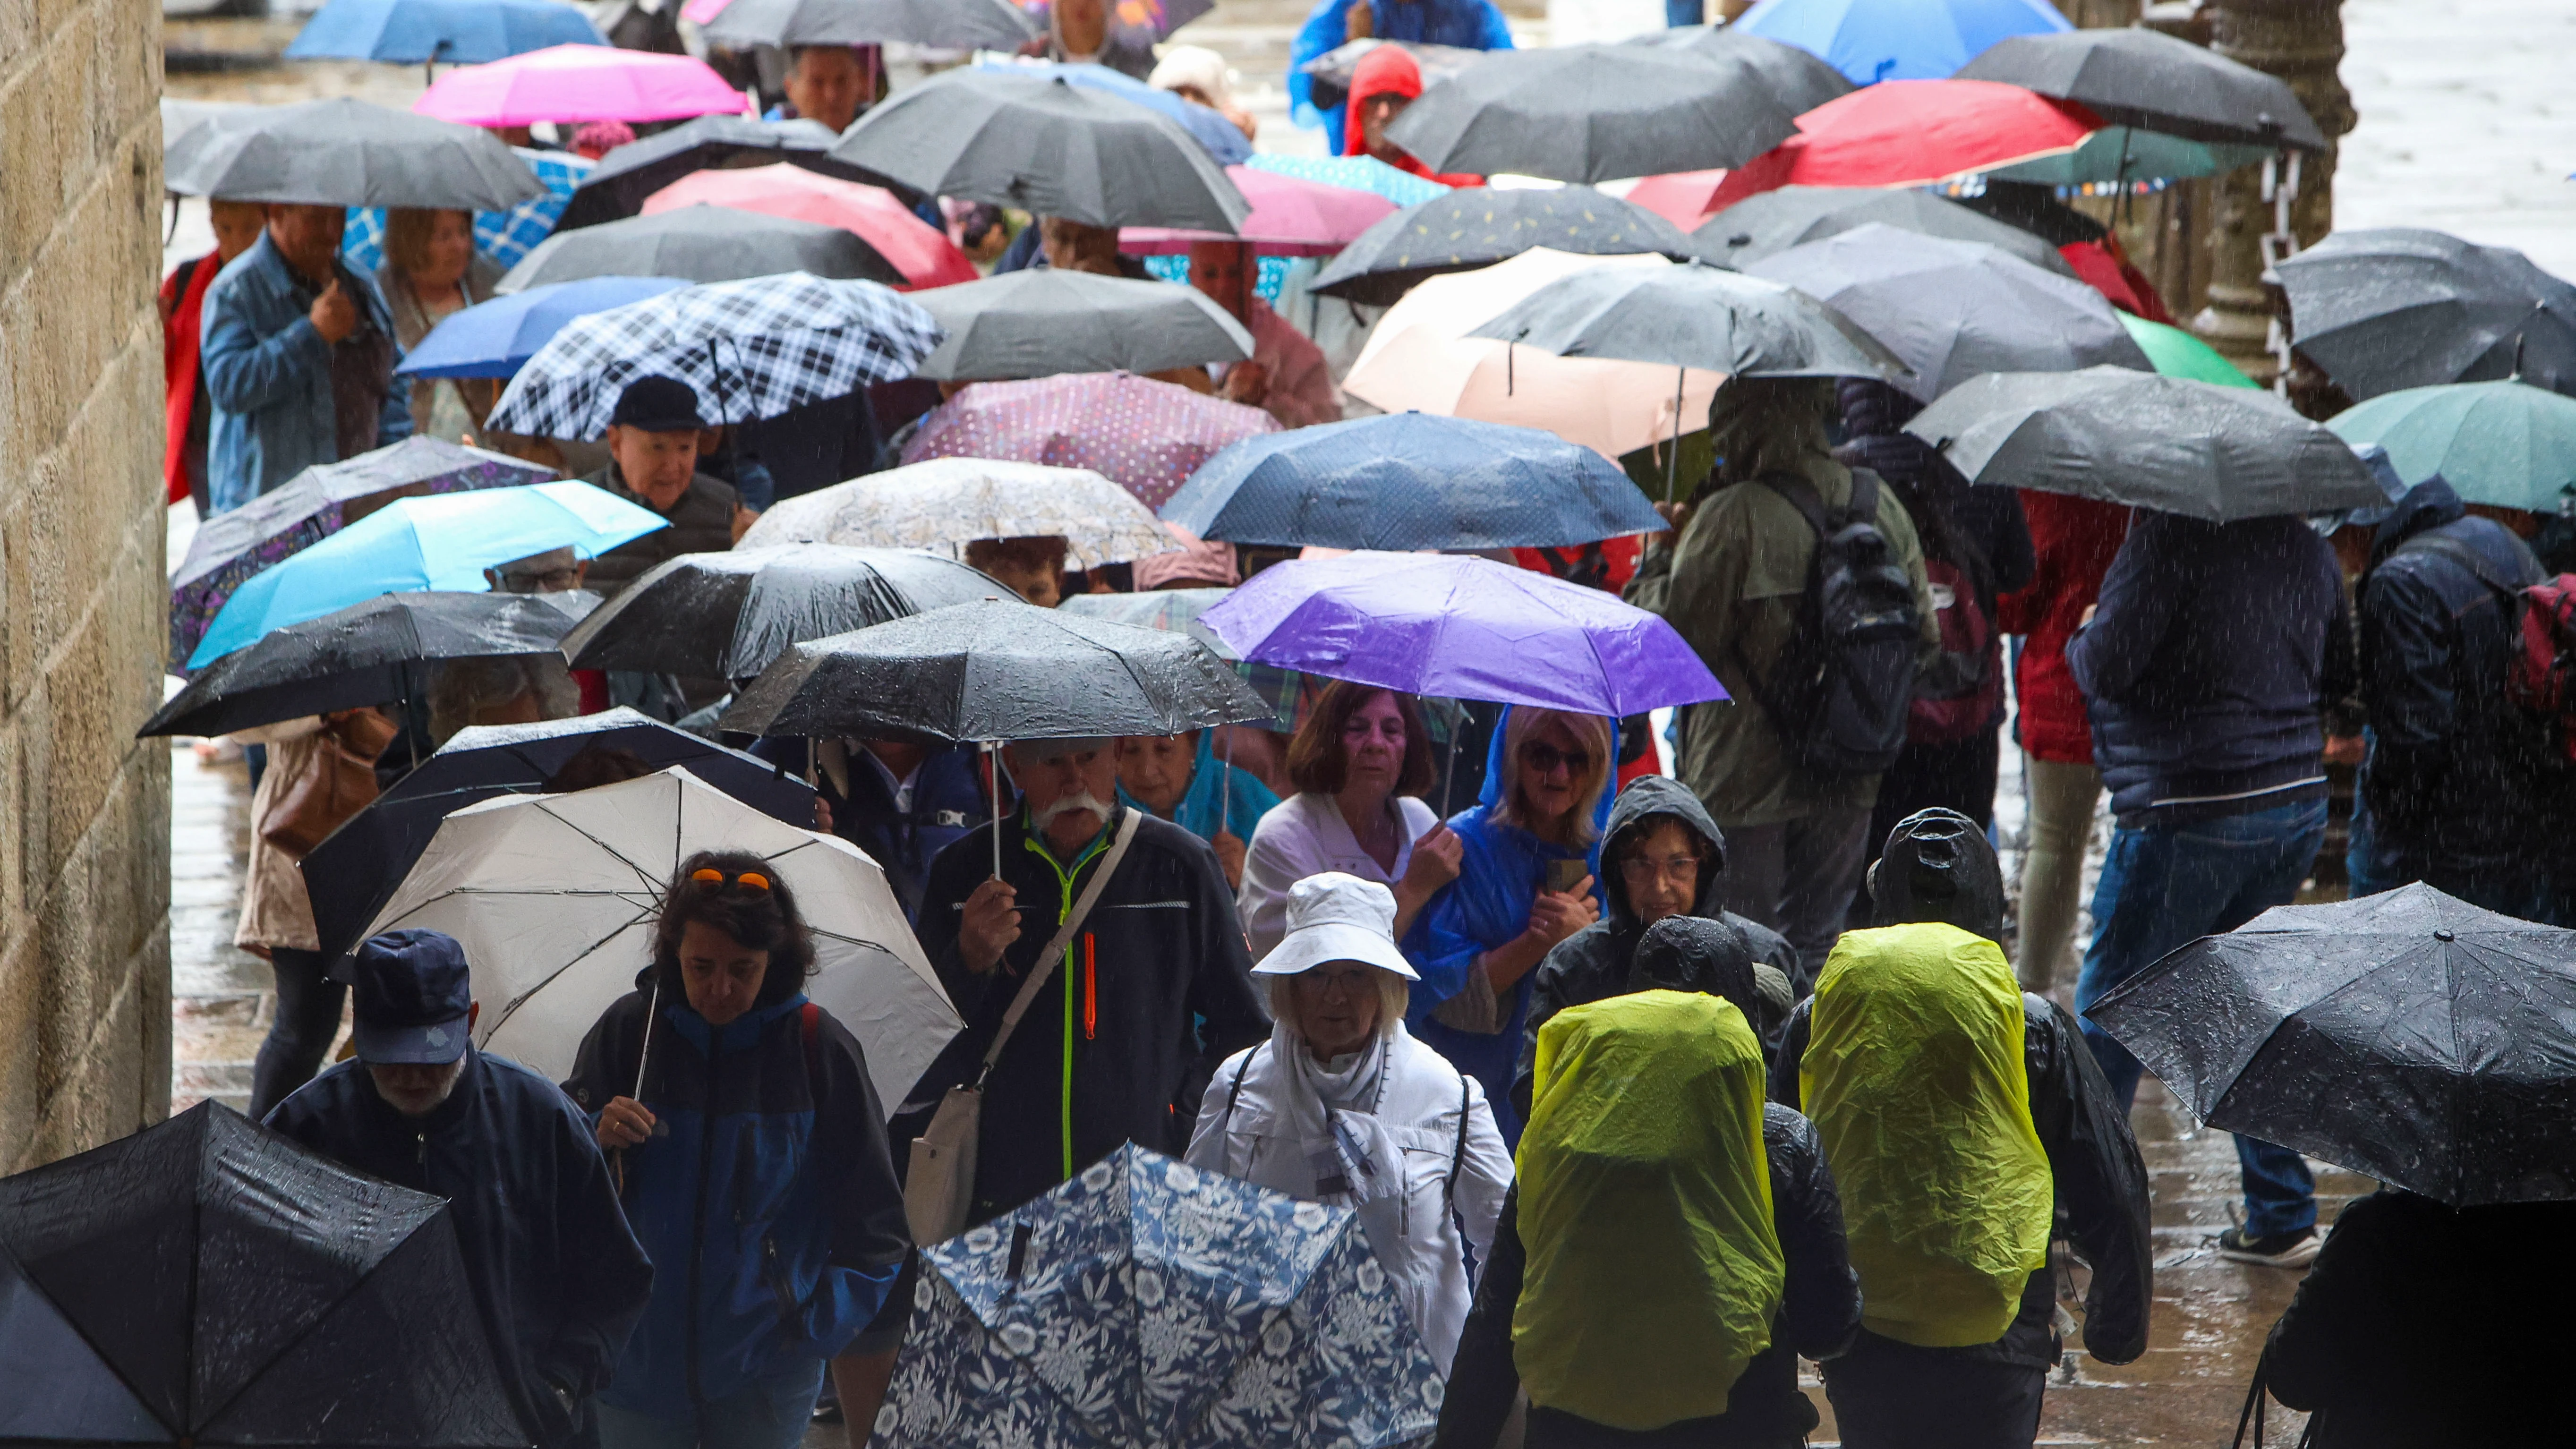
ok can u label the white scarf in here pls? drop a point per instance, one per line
(1336, 1150)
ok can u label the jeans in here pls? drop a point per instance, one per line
(2061, 798)
(1797, 877)
(769, 1413)
(2166, 886)
(308, 1016)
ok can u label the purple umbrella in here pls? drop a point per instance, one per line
(1461, 627)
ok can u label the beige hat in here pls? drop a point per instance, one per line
(1337, 917)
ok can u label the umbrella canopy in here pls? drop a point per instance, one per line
(2398, 307)
(1593, 113)
(702, 244)
(206, 1282)
(1147, 436)
(726, 615)
(921, 252)
(1148, 1302)
(1328, 76)
(1355, 173)
(945, 24)
(1693, 316)
(1177, 611)
(461, 32)
(627, 176)
(2132, 76)
(2504, 444)
(1460, 627)
(1411, 481)
(1913, 133)
(2167, 443)
(554, 898)
(358, 867)
(2408, 1035)
(751, 349)
(1289, 218)
(948, 502)
(992, 670)
(1772, 222)
(579, 83)
(2120, 155)
(1219, 137)
(344, 152)
(1043, 321)
(496, 338)
(1952, 310)
(1798, 78)
(1881, 40)
(1477, 226)
(2176, 353)
(1048, 146)
(440, 543)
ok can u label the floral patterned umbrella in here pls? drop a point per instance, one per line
(1147, 436)
(1149, 1302)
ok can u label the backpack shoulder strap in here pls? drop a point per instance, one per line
(1234, 1093)
(1802, 496)
(1044, 966)
(1863, 507)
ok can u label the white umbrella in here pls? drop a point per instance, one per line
(945, 503)
(554, 898)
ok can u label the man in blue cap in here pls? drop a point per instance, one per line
(557, 1273)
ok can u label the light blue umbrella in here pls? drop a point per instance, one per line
(1355, 173)
(441, 542)
(496, 338)
(460, 32)
(1875, 40)
(2504, 444)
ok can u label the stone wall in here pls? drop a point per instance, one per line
(84, 806)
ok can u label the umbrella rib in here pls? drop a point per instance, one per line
(512, 1007)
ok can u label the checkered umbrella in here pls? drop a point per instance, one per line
(752, 349)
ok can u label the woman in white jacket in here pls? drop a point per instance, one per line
(1343, 1106)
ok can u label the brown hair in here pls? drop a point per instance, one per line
(759, 920)
(1317, 763)
(1592, 732)
(1029, 554)
(407, 230)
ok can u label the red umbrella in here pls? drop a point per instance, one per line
(1290, 218)
(922, 252)
(1148, 436)
(1912, 133)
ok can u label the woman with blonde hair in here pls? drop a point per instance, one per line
(431, 270)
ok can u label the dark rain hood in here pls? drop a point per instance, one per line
(2429, 504)
(1694, 953)
(1647, 799)
(1939, 866)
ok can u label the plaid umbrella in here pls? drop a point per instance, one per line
(1148, 436)
(504, 236)
(752, 348)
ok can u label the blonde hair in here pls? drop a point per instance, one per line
(407, 233)
(1590, 731)
(1394, 994)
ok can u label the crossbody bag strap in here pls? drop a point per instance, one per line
(1044, 967)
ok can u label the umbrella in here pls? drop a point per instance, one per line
(419, 32)
(1955, 309)
(751, 349)
(567, 83)
(945, 24)
(1593, 113)
(1147, 436)
(921, 252)
(229, 548)
(1045, 145)
(702, 244)
(1290, 217)
(2176, 353)
(2503, 444)
(437, 543)
(1692, 316)
(1221, 138)
(496, 338)
(1328, 76)
(726, 615)
(1881, 40)
(628, 175)
(2398, 307)
(1913, 133)
(357, 868)
(1137, 20)
(1146, 1301)
(2122, 155)
(2133, 76)
(1477, 226)
(2166, 443)
(1042, 321)
(1354, 173)
(2410, 1036)
(948, 502)
(205, 1282)
(1177, 611)
(1797, 78)
(504, 236)
(1411, 481)
(1461, 627)
(554, 898)
(344, 152)
(1771, 222)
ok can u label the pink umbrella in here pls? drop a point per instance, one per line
(923, 253)
(1290, 218)
(1149, 436)
(579, 83)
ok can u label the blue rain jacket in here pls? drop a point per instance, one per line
(1467, 24)
(1218, 798)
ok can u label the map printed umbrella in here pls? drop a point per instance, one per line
(1476, 227)
(945, 503)
(1593, 113)
(344, 152)
(1147, 436)
(702, 244)
(2397, 307)
(1774, 221)
(726, 615)
(1043, 321)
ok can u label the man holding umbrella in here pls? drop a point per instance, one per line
(653, 460)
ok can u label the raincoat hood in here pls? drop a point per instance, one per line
(2429, 504)
(1498, 779)
(1939, 866)
(1760, 425)
(1387, 70)
(1695, 953)
(1648, 799)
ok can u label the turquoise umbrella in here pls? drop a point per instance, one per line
(2505, 444)
(2122, 154)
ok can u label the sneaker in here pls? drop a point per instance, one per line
(2280, 1250)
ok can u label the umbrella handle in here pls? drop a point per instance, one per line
(993, 751)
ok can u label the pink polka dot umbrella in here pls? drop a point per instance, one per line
(1147, 436)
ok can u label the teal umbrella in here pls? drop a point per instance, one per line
(2177, 353)
(2124, 153)
(2505, 444)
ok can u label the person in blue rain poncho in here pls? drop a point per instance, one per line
(1182, 779)
(1538, 822)
(1467, 24)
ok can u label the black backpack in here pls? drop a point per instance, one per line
(1841, 690)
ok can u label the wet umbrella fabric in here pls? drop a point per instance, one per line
(1591, 113)
(206, 1282)
(2409, 1036)
(945, 503)
(1882, 40)
(344, 152)
(573, 83)
(1146, 436)
(496, 338)
(1357, 173)
(948, 24)
(1693, 316)
(1771, 223)
(2503, 444)
(1291, 216)
(1177, 611)
(1145, 1301)
(1408, 481)
(702, 244)
(1477, 227)
(2177, 353)
(1798, 79)
(632, 172)
(2166, 443)
(1222, 139)
(2397, 307)
(2132, 76)
(2124, 154)
(461, 32)
(1042, 321)
(922, 252)
(1913, 133)
(726, 615)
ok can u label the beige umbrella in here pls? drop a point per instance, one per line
(945, 503)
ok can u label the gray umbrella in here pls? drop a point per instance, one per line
(344, 152)
(1476, 226)
(1773, 221)
(1040, 322)
(1594, 112)
(1692, 316)
(703, 244)
(952, 24)
(2392, 308)
(2166, 443)
(2138, 77)
(1955, 309)
(1047, 146)
(632, 172)
(727, 615)
(1798, 79)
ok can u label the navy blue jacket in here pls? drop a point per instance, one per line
(2209, 659)
(948, 799)
(557, 1273)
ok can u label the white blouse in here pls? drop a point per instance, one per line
(1306, 835)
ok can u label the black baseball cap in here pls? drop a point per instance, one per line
(658, 405)
(413, 994)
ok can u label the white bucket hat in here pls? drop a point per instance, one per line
(1337, 917)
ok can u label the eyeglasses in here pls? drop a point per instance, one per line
(715, 880)
(1638, 870)
(1545, 758)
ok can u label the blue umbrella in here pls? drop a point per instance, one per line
(1353, 173)
(1875, 40)
(460, 32)
(442, 542)
(496, 338)
(1411, 481)
(1218, 135)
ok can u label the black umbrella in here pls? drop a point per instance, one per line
(1594, 112)
(1692, 316)
(204, 1282)
(703, 244)
(727, 615)
(1476, 226)
(628, 175)
(358, 867)
(2166, 443)
(367, 653)
(2410, 1036)
(344, 152)
(1771, 222)
(1799, 79)
(2396, 307)
(1042, 321)
(947, 24)
(1328, 76)
(2154, 82)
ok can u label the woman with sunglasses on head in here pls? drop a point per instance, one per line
(752, 1153)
